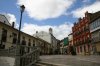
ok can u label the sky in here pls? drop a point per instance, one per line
(40, 15)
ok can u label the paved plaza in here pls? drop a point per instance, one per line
(68, 60)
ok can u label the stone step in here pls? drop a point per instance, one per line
(43, 64)
(7, 61)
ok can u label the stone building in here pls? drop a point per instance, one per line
(81, 35)
(95, 32)
(9, 34)
(49, 37)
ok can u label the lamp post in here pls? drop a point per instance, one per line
(22, 7)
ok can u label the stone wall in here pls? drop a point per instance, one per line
(7, 61)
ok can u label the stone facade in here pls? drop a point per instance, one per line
(81, 35)
(49, 37)
(95, 33)
(8, 38)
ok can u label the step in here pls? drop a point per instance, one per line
(43, 64)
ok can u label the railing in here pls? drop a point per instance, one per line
(30, 58)
(8, 52)
(24, 55)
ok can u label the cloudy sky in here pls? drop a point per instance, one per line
(40, 15)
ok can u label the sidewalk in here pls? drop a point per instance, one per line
(68, 60)
(90, 58)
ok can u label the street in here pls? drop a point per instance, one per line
(68, 60)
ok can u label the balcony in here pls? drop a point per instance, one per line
(94, 29)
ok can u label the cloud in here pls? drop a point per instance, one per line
(44, 9)
(59, 32)
(90, 8)
(85, 1)
(11, 18)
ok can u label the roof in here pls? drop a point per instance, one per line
(70, 34)
(5, 19)
(94, 16)
(22, 32)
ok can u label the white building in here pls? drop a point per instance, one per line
(49, 37)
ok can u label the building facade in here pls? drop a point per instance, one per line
(9, 34)
(70, 38)
(95, 32)
(49, 37)
(81, 35)
(64, 46)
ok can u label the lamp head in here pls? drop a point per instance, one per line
(22, 8)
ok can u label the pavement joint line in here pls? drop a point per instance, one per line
(55, 64)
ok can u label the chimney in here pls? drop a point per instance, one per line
(36, 33)
(79, 19)
(86, 13)
(75, 23)
(50, 30)
(13, 24)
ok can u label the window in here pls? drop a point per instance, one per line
(99, 21)
(33, 43)
(14, 38)
(88, 47)
(80, 49)
(2, 46)
(29, 43)
(4, 35)
(91, 26)
(96, 23)
(23, 41)
(84, 48)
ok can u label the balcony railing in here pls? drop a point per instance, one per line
(87, 41)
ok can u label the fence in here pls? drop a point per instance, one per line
(24, 55)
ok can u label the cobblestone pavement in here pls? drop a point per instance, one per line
(68, 60)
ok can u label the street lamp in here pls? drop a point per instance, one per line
(22, 8)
